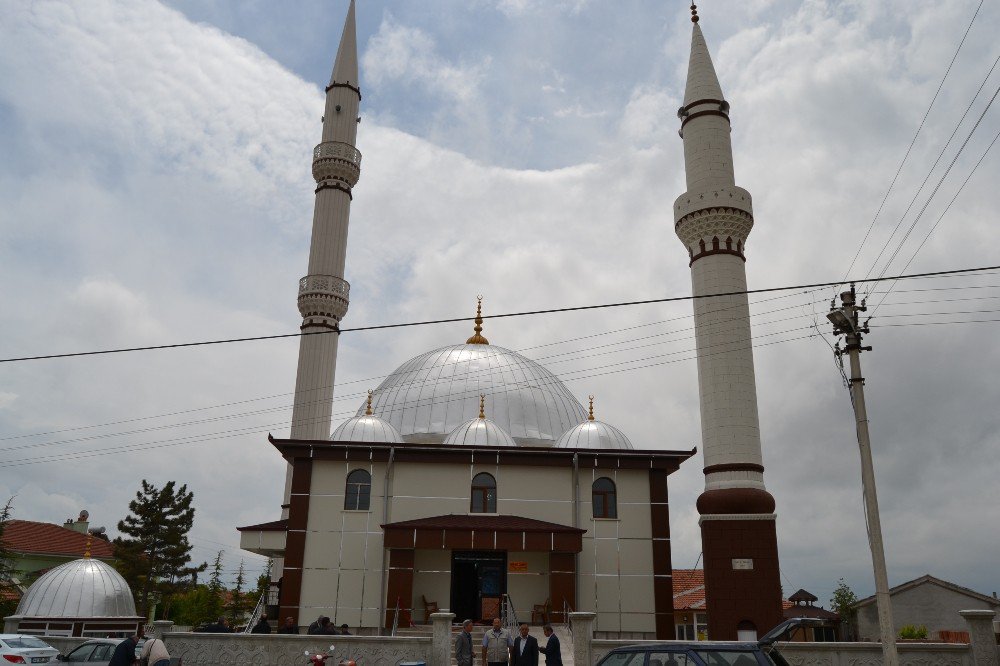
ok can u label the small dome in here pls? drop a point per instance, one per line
(84, 588)
(370, 429)
(479, 432)
(594, 435)
(367, 428)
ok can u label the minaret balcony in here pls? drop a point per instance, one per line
(336, 160)
(323, 296)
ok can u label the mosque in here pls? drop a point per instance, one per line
(472, 480)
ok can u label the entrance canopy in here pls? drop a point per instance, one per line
(483, 532)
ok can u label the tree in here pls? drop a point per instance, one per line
(842, 603)
(264, 582)
(153, 553)
(238, 601)
(7, 584)
(216, 591)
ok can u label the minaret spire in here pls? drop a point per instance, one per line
(345, 67)
(713, 219)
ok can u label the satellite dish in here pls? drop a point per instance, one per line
(84, 515)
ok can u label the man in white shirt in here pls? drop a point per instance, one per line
(496, 645)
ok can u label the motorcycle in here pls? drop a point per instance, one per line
(319, 658)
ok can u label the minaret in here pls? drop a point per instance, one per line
(323, 292)
(713, 219)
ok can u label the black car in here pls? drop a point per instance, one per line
(707, 653)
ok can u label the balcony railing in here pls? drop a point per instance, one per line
(337, 150)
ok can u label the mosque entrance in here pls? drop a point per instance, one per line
(478, 579)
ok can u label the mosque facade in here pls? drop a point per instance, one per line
(472, 480)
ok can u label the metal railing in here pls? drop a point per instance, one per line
(258, 610)
(395, 618)
(567, 609)
(508, 616)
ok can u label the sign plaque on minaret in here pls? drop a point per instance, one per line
(713, 219)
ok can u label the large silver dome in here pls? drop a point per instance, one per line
(429, 396)
(82, 588)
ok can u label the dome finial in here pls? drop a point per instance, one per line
(86, 553)
(482, 405)
(368, 409)
(590, 417)
(478, 338)
(694, 13)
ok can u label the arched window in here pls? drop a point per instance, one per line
(746, 631)
(359, 491)
(484, 493)
(605, 498)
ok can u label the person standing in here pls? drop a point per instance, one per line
(525, 650)
(552, 650)
(289, 627)
(496, 645)
(262, 626)
(155, 653)
(124, 654)
(463, 645)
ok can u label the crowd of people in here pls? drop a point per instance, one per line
(499, 648)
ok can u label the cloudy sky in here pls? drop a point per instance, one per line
(155, 188)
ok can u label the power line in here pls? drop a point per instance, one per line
(575, 355)
(912, 143)
(608, 369)
(930, 171)
(529, 313)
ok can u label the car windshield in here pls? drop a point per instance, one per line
(25, 642)
(731, 657)
(624, 659)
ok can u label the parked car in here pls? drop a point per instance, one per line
(708, 653)
(22, 649)
(95, 650)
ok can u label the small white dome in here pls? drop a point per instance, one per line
(594, 435)
(479, 432)
(84, 588)
(370, 429)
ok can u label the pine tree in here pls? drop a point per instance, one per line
(238, 601)
(154, 553)
(214, 605)
(7, 607)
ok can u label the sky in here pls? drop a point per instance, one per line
(155, 188)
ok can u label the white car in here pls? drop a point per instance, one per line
(21, 649)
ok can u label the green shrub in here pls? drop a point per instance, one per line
(912, 631)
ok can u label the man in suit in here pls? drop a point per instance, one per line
(552, 651)
(525, 650)
(463, 645)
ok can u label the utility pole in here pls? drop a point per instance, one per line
(845, 321)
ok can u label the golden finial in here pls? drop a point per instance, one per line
(591, 416)
(86, 553)
(478, 338)
(482, 405)
(694, 13)
(368, 410)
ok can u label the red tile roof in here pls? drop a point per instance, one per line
(26, 536)
(484, 522)
(689, 589)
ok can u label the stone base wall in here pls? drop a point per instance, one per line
(280, 650)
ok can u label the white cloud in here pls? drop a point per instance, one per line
(7, 399)
(402, 53)
(157, 189)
